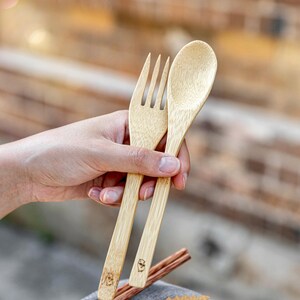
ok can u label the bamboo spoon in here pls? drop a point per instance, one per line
(190, 81)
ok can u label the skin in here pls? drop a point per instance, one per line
(86, 158)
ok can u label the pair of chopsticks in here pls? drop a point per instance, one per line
(156, 272)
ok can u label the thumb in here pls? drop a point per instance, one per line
(130, 159)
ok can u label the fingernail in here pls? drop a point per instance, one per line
(110, 197)
(148, 193)
(184, 179)
(169, 164)
(94, 193)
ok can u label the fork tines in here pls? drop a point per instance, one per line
(150, 100)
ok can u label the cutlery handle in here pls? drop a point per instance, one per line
(119, 242)
(143, 259)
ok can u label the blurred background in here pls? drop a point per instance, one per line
(67, 60)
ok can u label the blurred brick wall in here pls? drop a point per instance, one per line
(244, 161)
(265, 16)
(257, 42)
(243, 167)
(28, 105)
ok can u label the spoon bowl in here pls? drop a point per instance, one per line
(191, 76)
(190, 81)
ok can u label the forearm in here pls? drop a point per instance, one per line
(14, 187)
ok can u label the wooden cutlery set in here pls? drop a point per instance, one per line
(188, 85)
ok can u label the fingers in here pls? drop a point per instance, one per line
(111, 191)
(180, 179)
(147, 189)
(129, 159)
(112, 195)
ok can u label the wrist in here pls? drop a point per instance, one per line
(15, 184)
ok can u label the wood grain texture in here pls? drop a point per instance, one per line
(190, 81)
(147, 126)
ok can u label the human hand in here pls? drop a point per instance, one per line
(92, 157)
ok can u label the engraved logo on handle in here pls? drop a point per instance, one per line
(141, 265)
(109, 279)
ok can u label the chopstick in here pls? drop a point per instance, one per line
(156, 272)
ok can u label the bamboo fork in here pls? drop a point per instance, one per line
(156, 273)
(147, 126)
